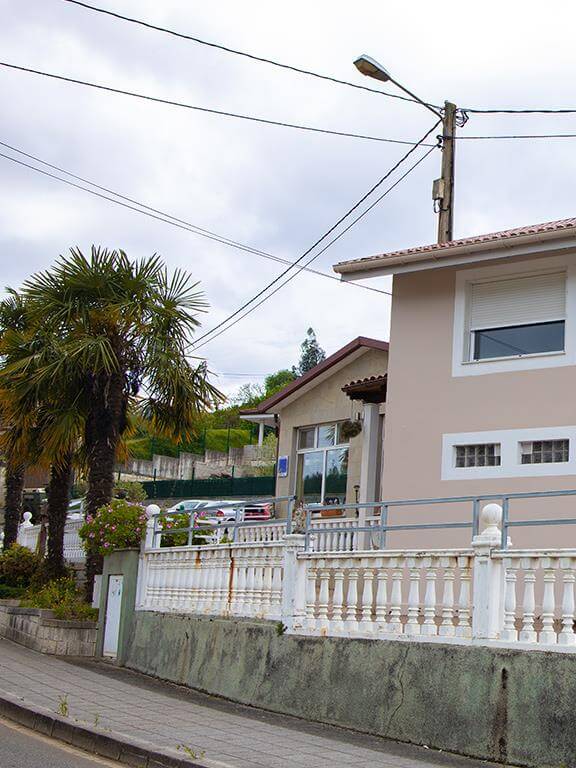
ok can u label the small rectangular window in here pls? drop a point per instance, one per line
(307, 438)
(545, 451)
(480, 455)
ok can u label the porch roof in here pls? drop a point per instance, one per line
(372, 389)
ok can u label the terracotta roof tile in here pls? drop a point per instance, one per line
(506, 234)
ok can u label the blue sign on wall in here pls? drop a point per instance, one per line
(282, 466)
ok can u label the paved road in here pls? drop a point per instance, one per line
(20, 748)
(223, 734)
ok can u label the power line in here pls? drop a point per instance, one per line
(520, 136)
(221, 113)
(551, 111)
(251, 56)
(226, 49)
(163, 217)
(210, 333)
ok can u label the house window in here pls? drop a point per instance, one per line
(544, 451)
(479, 455)
(516, 316)
(322, 467)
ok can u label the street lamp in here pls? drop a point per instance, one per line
(443, 189)
(371, 68)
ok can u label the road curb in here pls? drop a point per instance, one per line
(93, 740)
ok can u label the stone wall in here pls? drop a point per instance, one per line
(486, 702)
(39, 630)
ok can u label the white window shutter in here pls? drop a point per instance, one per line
(518, 301)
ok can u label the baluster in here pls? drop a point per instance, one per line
(249, 604)
(277, 577)
(240, 586)
(351, 622)
(381, 602)
(395, 623)
(311, 595)
(258, 583)
(338, 613)
(412, 627)
(447, 628)
(509, 632)
(267, 587)
(151, 581)
(464, 628)
(547, 634)
(323, 597)
(527, 633)
(367, 624)
(567, 636)
(429, 625)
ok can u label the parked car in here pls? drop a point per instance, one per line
(255, 512)
(188, 505)
(76, 508)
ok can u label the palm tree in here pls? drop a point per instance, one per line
(50, 423)
(123, 327)
(12, 318)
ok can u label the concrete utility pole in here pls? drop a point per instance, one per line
(443, 190)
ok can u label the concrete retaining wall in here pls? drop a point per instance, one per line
(496, 704)
(39, 630)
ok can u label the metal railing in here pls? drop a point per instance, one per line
(379, 525)
(197, 524)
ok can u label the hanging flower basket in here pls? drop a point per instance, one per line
(349, 429)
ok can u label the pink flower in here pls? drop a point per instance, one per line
(106, 544)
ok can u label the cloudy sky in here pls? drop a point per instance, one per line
(273, 188)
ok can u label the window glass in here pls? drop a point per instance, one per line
(336, 473)
(340, 440)
(518, 340)
(481, 455)
(309, 479)
(306, 438)
(545, 451)
(326, 435)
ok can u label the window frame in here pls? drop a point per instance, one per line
(319, 448)
(510, 453)
(463, 362)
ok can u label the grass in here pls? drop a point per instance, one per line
(216, 440)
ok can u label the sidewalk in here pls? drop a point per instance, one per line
(211, 731)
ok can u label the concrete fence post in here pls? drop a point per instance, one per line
(147, 543)
(488, 594)
(294, 582)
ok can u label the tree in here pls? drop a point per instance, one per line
(311, 353)
(124, 328)
(277, 381)
(12, 319)
(50, 422)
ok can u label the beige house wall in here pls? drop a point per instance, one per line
(326, 403)
(425, 401)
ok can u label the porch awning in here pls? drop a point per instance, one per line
(369, 390)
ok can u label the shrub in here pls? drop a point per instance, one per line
(131, 490)
(118, 525)
(18, 566)
(64, 598)
(10, 593)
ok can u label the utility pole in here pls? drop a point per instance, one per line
(443, 189)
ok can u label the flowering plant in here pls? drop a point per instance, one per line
(118, 525)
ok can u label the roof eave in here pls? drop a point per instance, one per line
(459, 254)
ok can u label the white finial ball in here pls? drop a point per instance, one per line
(490, 517)
(151, 510)
(28, 518)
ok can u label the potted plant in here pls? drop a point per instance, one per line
(349, 428)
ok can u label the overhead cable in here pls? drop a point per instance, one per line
(206, 110)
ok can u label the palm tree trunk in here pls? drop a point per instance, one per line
(103, 428)
(58, 500)
(13, 501)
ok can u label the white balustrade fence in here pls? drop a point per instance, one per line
(29, 534)
(399, 593)
(220, 580)
(480, 595)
